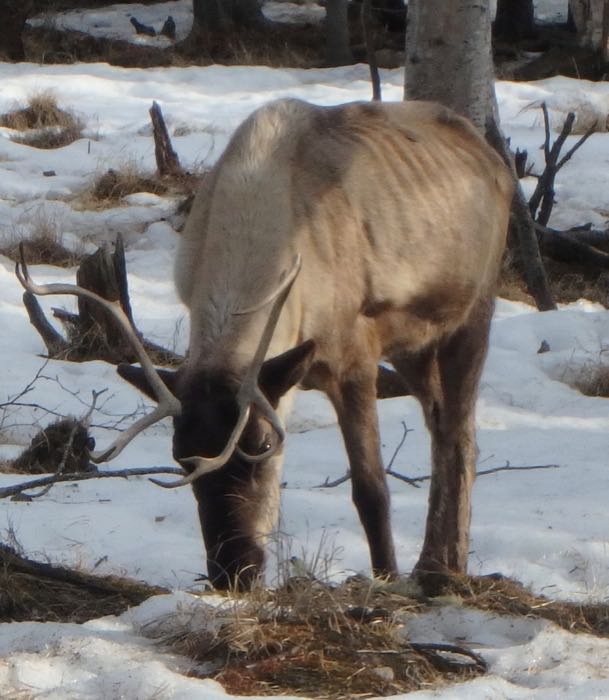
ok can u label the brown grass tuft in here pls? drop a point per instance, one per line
(31, 590)
(43, 123)
(591, 379)
(307, 638)
(568, 283)
(113, 185)
(44, 241)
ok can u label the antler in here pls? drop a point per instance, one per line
(249, 393)
(168, 404)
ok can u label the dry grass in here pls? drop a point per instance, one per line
(591, 379)
(43, 241)
(310, 639)
(307, 638)
(42, 123)
(113, 185)
(34, 591)
(304, 638)
(568, 283)
(110, 188)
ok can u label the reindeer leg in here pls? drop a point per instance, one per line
(354, 400)
(445, 380)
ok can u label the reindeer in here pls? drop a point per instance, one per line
(325, 240)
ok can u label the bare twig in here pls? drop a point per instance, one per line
(26, 389)
(17, 489)
(389, 470)
(543, 196)
(440, 655)
(507, 467)
(370, 52)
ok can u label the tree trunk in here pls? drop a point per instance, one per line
(589, 17)
(338, 52)
(13, 15)
(514, 20)
(449, 60)
(214, 15)
(448, 56)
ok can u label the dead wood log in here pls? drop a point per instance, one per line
(56, 344)
(92, 333)
(167, 161)
(566, 247)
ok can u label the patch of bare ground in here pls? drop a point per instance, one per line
(274, 44)
(43, 123)
(311, 639)
(31, 590)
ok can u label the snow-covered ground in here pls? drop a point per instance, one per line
(547, 528)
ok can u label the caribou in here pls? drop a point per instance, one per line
(324, 241)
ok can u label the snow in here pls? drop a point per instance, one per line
(548, 528)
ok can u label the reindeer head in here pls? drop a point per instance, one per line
(228, 436)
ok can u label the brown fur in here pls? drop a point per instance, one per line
(399, 212)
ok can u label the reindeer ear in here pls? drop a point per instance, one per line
(135, 376)
(279, 374)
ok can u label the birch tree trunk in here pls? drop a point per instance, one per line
(448, 56)
(449, 60)
(338, 52)
(591, 18)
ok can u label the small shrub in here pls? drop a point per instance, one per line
(43, 123)
(591, 380)
(113, 185)
(65, 443)
(43, 241)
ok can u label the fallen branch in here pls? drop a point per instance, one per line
(566, 247)
(416, 480)
(18, 489)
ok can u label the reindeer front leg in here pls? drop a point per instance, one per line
(354, 399)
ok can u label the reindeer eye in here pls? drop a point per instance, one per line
(266, 444)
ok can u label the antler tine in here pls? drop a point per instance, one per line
(206, 465)
(168, 404)
(249, 392)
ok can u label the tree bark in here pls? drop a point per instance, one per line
(13, 15)
(448, 56)
(167, 161)
(515, 20)
(590, 18)
(217, 15)
(338, 52)
(449, 60)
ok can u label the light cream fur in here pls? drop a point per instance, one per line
(398, 210)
